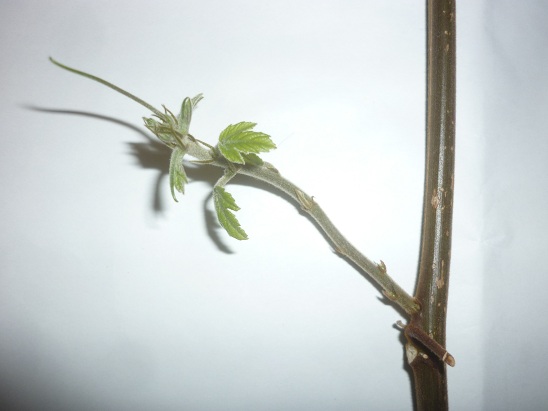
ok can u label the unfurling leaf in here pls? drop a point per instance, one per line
(177, 174)
(196, 99)
(185, 115)
(224, 202)
(239, 139)
(170, 129)
(163, 132)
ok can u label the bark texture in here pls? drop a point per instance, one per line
(430, 376)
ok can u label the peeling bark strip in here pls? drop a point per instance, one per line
(419, 336)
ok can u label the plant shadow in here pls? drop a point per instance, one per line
(153, 155)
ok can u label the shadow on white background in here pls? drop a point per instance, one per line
(114, 297)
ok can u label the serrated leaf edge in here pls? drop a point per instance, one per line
(234, 150)
(224, 202)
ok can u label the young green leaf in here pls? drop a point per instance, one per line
(177, 174)
(185, 115)
(253, 159)
(196, 99)
(239, 139)
(224, 202)
(161, 131)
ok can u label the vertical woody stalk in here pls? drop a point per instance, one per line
(429, 372)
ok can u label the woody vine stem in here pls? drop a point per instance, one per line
(430, 374)
(236, 152)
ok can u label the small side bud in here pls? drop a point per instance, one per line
(305, 201)
(382, 266)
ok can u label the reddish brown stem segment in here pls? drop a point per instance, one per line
(417, 336)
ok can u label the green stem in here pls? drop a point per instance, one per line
(430, 374)
(341, 245)
(267, 173)
(108, 84)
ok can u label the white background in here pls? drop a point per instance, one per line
(113, 297)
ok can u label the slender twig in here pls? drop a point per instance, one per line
(206, 154)
(429, 371)
(341, 245)
(108, 84)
